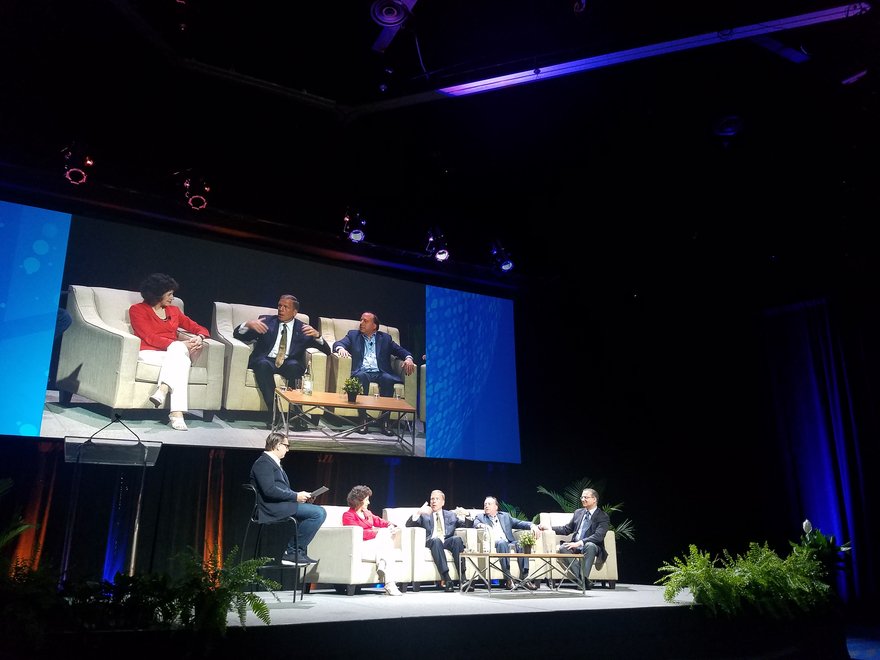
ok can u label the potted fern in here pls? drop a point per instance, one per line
(352, 387)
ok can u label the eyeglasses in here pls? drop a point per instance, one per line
(285, 444)
(587, 497)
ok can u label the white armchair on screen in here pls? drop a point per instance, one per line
(99, 360)
(339, 369)
(240, 391)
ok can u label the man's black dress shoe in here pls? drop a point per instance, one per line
(386, 428)
(468, 587)
(449, 588)
(588, 585)
(305, 559)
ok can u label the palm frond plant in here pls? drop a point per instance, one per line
(16, 526)
(570, 500)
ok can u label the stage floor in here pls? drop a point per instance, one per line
(325, 606)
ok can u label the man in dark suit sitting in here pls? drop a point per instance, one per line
(589, 525)
(280, 344)
(276, 500)
(371, 351)
(439, 525)
(500, 526)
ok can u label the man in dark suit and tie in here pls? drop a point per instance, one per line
(276, 500)
(280, 344)
(589, 525)
(371, 351)
(440, 525)
(500, 526)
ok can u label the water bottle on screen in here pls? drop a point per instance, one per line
(307, 382)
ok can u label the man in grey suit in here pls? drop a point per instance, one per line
(440, 526)
(588, 525)
(500, 525)
(276, 500)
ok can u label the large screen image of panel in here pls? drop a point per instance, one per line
(73, 368)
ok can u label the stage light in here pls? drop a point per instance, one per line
(77, 163)
(436, 246)
(353, 227)
(501, 258)
(195, 189)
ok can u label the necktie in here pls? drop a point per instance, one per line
(585, 526)
(282, 346)
(438, 525)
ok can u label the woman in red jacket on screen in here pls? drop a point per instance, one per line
(378, 534)
(157, 323)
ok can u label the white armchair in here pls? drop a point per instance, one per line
(345, 560)
(605, 572)
(339, 368)
(240, 391)
(423, 567)
(98, 359)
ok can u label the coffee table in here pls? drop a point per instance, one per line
(401, 414)
(483, 562)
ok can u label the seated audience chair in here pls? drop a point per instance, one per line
(240, 390)
(346, 561)
(255, 521)
(98, 358)
(340, 368)
(604, 572)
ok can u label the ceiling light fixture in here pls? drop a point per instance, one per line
(391, 15)
(436, 246)
(77, 163)
(195, 189)
(663, 48)
(501, 259)
(353, 227)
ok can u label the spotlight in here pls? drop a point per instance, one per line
(353, 227)
(501, 258)
(76, 163)
(436, 246)
(195, 189)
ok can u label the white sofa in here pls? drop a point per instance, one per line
(240, 391)
(98, 358)
(345, 560)
(605, 572)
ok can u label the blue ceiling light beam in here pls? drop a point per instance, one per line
(653, 50)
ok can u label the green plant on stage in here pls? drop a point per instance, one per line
(527, 538)
(16, 526)
(832, 556)
(570, 500)
(352, 385)
(759, 581)
(209, 590)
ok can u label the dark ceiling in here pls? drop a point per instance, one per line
(738, 153)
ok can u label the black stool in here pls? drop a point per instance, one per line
(255, 520)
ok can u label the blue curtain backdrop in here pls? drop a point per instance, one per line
(815, 412)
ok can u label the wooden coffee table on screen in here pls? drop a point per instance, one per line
(401, 415)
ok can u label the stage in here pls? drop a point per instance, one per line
(631, 621)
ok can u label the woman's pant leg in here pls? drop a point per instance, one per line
(174, 367)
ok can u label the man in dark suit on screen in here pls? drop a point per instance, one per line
(280, 344)
(371, 351)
